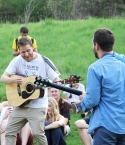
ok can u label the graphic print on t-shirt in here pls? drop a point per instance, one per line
(30, 70)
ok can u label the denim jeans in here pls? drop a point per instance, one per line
(102, 136)
(54, 136)
(78, 107)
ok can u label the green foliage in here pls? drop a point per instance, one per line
(61, 9)
(68, 44)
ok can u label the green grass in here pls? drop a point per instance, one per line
(68, 44)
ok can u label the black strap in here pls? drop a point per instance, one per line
(50, 64)
(16, 43)
(32, 40)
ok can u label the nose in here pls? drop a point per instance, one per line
(26, 54)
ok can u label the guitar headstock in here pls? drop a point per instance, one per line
(71, 80)
(40, 82)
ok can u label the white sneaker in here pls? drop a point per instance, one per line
(67, 130)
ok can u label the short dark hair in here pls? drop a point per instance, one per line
(24, 30)
(24, 41)
(104, 38)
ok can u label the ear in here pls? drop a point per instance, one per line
(97, 47)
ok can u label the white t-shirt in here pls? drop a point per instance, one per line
(75, 98)
(36, 67)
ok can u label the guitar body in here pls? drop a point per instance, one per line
(32, 88)
(18, 94)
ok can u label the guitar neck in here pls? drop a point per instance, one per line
(67, 89)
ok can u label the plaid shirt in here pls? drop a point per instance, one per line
(64, 108)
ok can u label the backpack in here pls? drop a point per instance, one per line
(32, 39)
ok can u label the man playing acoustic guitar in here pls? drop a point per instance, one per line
(28, 63)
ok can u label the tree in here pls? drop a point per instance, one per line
(29, 9)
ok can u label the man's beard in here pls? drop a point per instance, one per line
(95, 53)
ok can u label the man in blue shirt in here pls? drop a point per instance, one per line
(105, 92)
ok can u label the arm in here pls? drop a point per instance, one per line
(5, 103)
(80, 97)
(1, 130)
(81, 124)
(56, 124)
(16, 52)
(83, 95)
(93, 90)
(8, 112)
(5, 78)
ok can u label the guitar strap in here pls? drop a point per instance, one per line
(49, 62)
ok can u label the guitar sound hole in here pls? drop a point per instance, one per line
(29, 88)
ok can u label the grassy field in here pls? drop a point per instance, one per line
(68, 44)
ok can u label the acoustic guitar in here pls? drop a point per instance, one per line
(33, 87)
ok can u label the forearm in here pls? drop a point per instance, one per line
(53, 125)
(66, 120)
(6, 79)
(83, 95)
(1, 130)
(16, 53)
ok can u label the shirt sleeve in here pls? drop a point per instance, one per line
(34, 44)
(93, 90)
(66, 112)
(14, 47)
(11, 69)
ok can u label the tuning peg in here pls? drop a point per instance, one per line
(45, 86)
(37, 83)
(41, 84)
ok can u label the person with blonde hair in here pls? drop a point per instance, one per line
(64, 107)
(54, 123)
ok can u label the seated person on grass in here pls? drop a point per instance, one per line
(24, 137)
(75, 100)
(64, 107)
(82, 125)
(53, 124)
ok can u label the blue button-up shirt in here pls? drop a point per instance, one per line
(105, 93)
